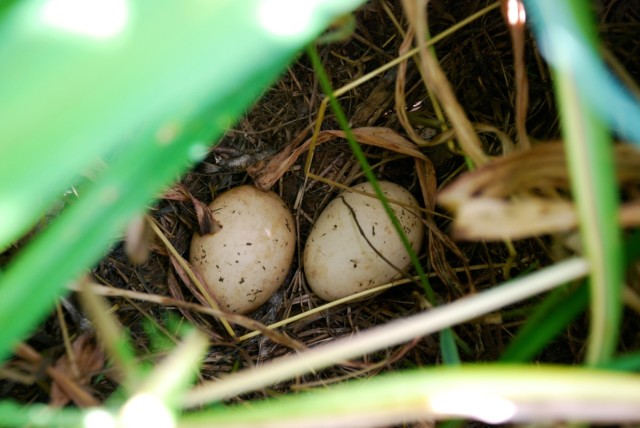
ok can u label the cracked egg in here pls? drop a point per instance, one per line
(342, 255)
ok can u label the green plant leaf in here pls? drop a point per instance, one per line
(148, 99)
(568, 33)
(70, 96)
(492, 393)
(564, 25)
(548, 320)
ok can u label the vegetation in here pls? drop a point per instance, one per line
(119, 126)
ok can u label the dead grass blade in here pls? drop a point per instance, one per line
(206, 222)
(375, 104)
(400, 93)
(137, 240)
(110, 333)
(505, 140)
(525, 194)
(385, 138)
(387, 335)
(189, 273)
(437, 81)
(189, 308)
(514, 14)
(88, 358)
(176, 292)
(67, 384)
(436, 239)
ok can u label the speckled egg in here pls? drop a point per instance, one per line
(338, 261)
(245, 262)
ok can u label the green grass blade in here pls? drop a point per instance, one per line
(567, 34)
(79, 237)
(625, 363)
(490, 393)
(447, 344)
(493, 393)
(323, 78)
(568, 23)
(449, 348)
(556, 311)
(548, 320)
(39, 415)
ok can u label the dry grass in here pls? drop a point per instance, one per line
(476, 88)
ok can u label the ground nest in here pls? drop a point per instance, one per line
(478, 62)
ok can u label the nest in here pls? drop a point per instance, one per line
(477, 60)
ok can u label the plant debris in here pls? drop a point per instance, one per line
(515, 193)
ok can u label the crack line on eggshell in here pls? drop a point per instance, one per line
(355, 218)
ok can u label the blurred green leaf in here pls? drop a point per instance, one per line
(547, 321)
(69, 97)
(492, 393)
(448, 347)
(149, 100)
(590, 103)
(625, 362)
(567, 25)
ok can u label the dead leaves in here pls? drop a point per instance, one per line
(71, 373)
(527, 194)
(267, 175)
(84, 361)
(206, 222)
(437, 241)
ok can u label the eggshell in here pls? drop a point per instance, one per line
(337, 259)
(245, 262)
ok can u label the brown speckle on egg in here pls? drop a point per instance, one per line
(257, 232)
(338, 261)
